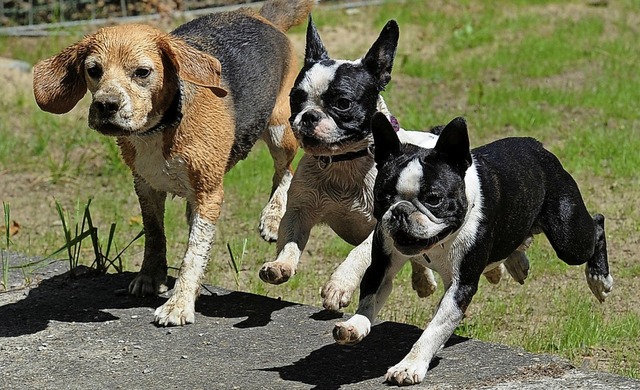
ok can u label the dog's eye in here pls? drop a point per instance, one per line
(433, 199)
(342, 104)
(142, 73)
(94, 71)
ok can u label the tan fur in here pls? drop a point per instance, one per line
(188, 159)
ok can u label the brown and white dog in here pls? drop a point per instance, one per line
(185, 107)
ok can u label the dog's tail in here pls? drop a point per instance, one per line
(285, 14)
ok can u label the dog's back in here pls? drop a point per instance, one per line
(529, 179)
(255, 55)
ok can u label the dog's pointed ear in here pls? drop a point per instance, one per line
(193, 65)
(454, 141)
(58, 81)
(379, 58)
(315, 50)
(385, 138)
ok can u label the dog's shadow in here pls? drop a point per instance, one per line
(86, 298)
(333, 365)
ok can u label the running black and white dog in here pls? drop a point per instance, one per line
(467, 210)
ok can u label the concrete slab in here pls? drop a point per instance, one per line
(85, 332)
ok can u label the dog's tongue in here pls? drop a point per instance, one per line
(394, 123)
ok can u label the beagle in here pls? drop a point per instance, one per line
(185, 107)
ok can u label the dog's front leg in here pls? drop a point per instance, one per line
(375, 288)
(180, 307)
(459, 292)
(345, 279)
(293, 235)
(151, 279)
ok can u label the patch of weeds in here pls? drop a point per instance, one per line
(75, 233)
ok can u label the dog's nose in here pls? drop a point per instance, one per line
(107, 105)
(310, 118)
(401, 211)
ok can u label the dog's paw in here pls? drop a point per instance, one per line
(273, 212)
(599, 285)
(517, 264)
(495, 274)
(336, 295)
(353, 331)
(407, 373)
(423, 282)
(144, 285)
(269, 223)
(175, 312)
(275, 272)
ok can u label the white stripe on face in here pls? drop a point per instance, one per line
(317, 79)
(408, 186)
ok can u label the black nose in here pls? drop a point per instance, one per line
(311, 118)
(107, 105)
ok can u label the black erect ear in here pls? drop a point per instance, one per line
(379, 58)
(315, 50)
(385, 138)
(454, 142)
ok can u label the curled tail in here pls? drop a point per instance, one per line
(285, 14)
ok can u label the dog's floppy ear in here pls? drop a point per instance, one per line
(379, 58)
(315, 50)
(454, 142)
(385, 138)
(58, 81)
(192, 65)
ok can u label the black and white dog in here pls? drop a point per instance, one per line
(467, 210)
(332, 103)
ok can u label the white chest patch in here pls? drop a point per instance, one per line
(408, 186)
(163, 174)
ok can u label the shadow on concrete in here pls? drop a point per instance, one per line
(333, 365)
(67, 298)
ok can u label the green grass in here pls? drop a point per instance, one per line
(560, 71)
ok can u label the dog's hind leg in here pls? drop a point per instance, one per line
(597, 270)
(151, 279)
(577, 237)
(283, 147)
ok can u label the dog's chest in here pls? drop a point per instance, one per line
(163, 173)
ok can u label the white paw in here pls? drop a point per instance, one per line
(337, 294)
(273, 212)
(175, 312)
(144, 285)
(407, 372)
(353, 331)
(600, 285)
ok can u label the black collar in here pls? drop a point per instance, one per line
(171, 118)
(325, 161)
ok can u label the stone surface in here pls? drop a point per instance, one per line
(85, 332)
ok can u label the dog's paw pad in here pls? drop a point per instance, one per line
(336, 295)
(275, 273)
(404, 374)
(517, 264)
(175, 314)
(345, 334)
(599, 285)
